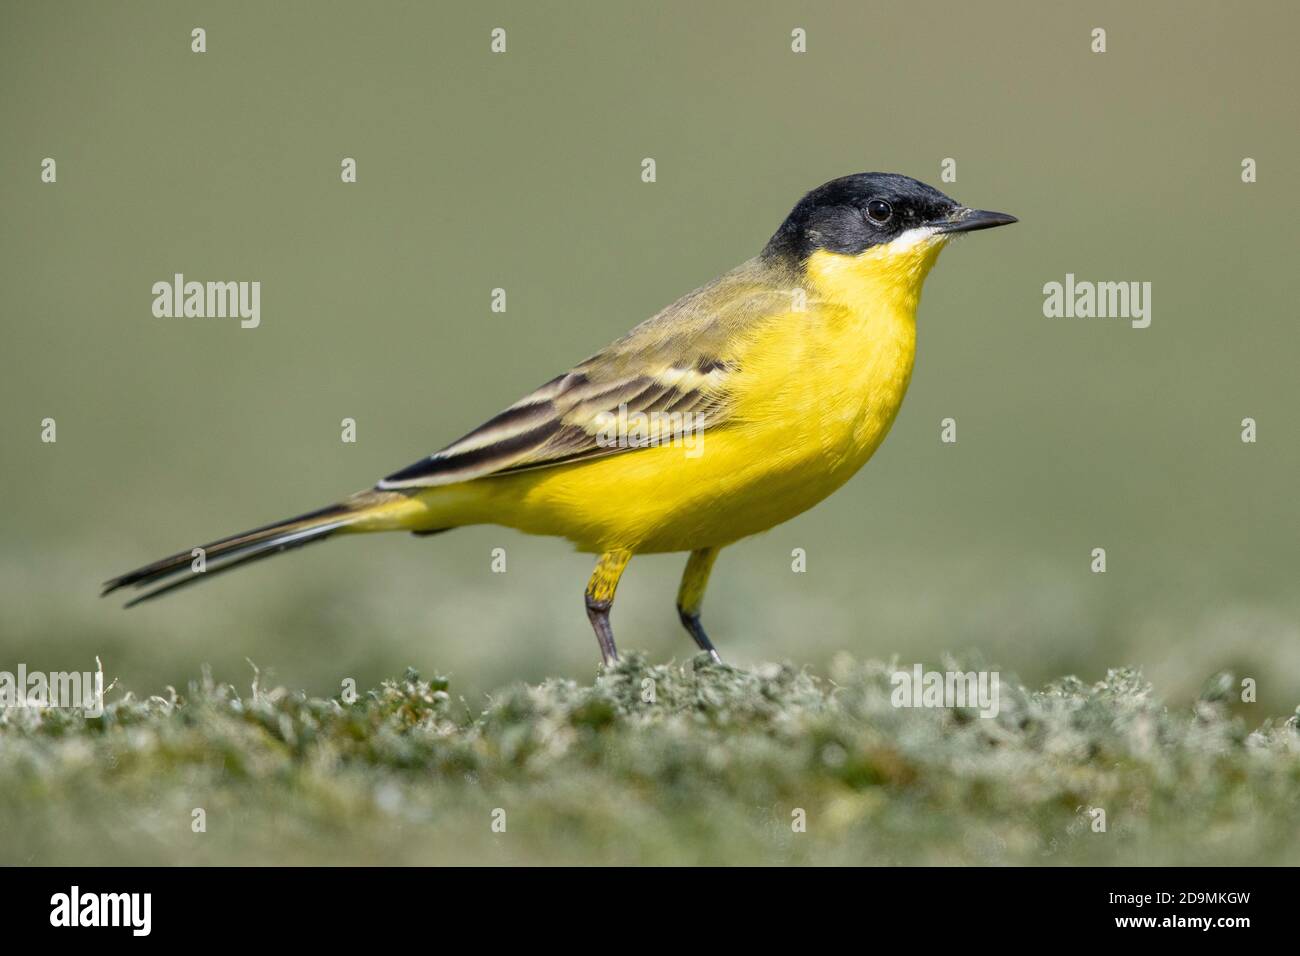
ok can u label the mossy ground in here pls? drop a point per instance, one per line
(713, 770)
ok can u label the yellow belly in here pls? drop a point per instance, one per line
(816, 393)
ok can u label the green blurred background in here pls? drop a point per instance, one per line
(523, 171)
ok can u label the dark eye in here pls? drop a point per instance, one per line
(879, 210)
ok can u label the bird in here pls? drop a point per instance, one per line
(732, 410)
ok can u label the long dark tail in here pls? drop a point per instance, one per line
(179, 570)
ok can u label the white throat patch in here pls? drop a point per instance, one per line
(908, 241)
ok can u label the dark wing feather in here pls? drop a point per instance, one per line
(679, 361)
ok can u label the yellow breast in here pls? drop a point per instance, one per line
(816, 392)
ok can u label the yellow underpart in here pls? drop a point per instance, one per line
(815, 393)
(604, 580)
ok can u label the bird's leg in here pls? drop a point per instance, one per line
(600, 598)
(691, 595)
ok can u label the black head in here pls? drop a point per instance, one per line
(853, 213)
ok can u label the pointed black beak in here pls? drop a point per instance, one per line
(968, 220)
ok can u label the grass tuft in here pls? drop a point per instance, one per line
(669, 763)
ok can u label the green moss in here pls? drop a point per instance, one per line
(692, 762)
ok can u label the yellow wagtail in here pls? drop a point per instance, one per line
(753, 399)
